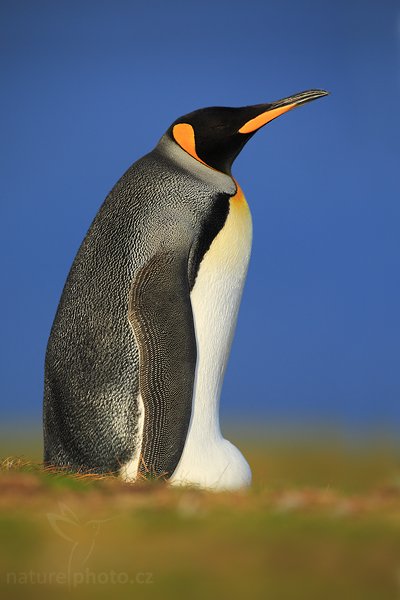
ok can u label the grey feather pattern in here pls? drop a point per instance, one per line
(130, 284)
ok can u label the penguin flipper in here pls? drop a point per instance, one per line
(161, 316)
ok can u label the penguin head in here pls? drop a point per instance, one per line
(216, 135)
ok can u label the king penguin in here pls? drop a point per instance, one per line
(140, 342)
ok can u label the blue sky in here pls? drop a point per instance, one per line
(89, 87)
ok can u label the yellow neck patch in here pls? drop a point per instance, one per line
(184, 136)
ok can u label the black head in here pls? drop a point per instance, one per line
(216, 135)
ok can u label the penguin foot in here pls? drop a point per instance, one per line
(218, 467)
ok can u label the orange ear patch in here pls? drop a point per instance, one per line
(184, 136)
(265, 118)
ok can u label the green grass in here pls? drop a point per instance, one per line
(321, 521)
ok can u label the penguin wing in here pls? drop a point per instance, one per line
(160, 313)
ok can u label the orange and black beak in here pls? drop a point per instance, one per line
(269, 112)
(216, 135)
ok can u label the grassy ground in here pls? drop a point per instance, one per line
(322, 521)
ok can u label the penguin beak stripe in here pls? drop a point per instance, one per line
(184, 136)
(265, 118)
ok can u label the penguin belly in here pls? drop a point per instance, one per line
(208, 460)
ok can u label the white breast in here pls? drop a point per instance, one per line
(208, 459)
